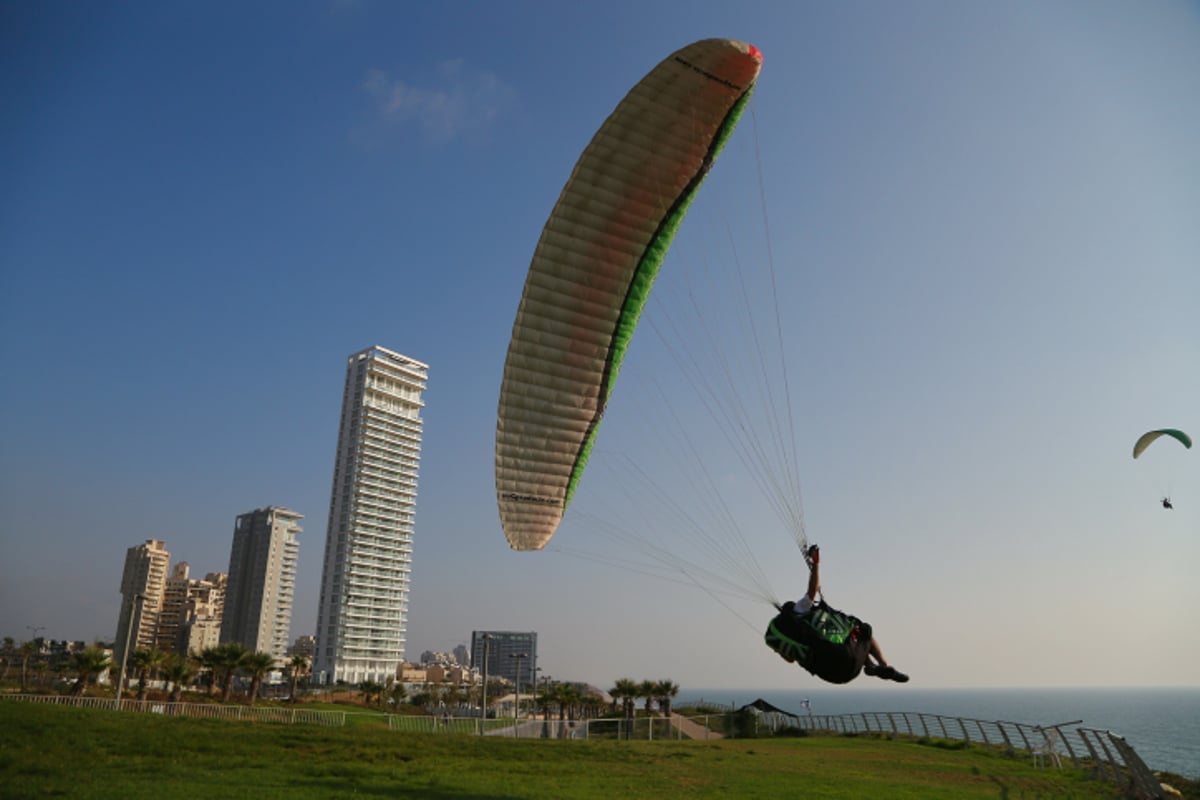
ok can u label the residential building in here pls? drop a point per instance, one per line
(438, 657)
(262, 580)
(411, 674)
(448, 673)
(363, 606)
(305, 647)
(142, 584)
(174, 608)
(503, 649)
(202, 614)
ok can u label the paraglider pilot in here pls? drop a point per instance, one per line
(1166, 501)
(828, 643)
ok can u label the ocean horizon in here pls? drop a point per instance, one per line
(1162, 724)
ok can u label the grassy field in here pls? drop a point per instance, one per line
(65, 752)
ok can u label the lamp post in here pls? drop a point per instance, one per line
(135, 609)
(25, 655)
(535, 671)
(517, 703)
(487, 638)
(542, 700)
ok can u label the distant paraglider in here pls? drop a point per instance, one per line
(1146, 439)
(1149, 437)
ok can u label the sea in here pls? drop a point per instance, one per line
(1161, 724)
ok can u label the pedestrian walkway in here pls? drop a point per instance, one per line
(693, 730)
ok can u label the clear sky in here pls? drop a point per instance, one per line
(985, 226)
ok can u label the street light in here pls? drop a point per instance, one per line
(25, 655)
(135, 608)
(487, 638)
(542, 700)
(517, 704)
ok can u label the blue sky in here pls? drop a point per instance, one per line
(985, 226)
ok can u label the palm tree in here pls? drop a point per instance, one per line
(664, 690)
(40, 667)
(297, 668)
(208, 667)
(558, 695)
(178, 671)
(568, 697)
(626, 691)
(370, 690)
(495, 689)
(146, 661)
(87, 664)
(28, 650)
(398, 693)
(453, 697)
(437, 696)
(591, 705)
(225, 659)
(9, 645)
(544, 698)
(647, 690)
(258, 665)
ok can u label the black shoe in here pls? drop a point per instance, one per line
(872, 670)
(897, 676)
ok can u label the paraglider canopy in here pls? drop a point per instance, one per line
(1149, 437)
(593, 269)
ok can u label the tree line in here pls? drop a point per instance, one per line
(626, 692)
(212, 667)
(215, 669)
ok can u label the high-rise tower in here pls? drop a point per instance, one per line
(510, 654)
(262, 580)
(362, 616)
(142, 585)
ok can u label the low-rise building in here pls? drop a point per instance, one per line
(304, 646)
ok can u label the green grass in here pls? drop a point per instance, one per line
(50, 751)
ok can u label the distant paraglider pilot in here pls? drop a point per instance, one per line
(828, 643)
(1149, 437)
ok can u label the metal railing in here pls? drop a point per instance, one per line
(278, 714)
(651, 728)
(1106, 755)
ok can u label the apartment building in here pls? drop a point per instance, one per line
(262, 580)
(362, 616)
(143, 583)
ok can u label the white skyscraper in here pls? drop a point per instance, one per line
(362, 617)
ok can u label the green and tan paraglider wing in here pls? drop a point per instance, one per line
(1147, 438)
(593, 268)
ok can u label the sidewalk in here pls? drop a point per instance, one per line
(693, 730)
